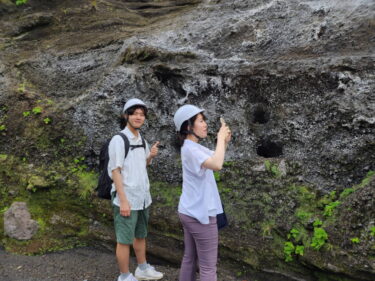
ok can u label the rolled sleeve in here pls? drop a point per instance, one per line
(116, 152)
(195, 159)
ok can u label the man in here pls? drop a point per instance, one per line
(131, 196)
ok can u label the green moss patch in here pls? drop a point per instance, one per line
(61, 201)
(165, 194)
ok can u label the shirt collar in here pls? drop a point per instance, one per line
(130, 135)
(190, 142)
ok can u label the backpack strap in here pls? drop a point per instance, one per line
(132, 146)
(143, 143)
(126, 143)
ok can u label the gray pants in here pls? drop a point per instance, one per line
(201, 244)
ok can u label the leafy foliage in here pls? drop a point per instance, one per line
(299, 250)
(37, 110)
(21, 2)
(88, 182)
(293, 233)
(328, 209)
(217, 176)
(367, 179)
(317, 223)
(47, 120)
(272, 168)
(304, 216)
(372, 231)
(355, 240)
(288, 251)
(319, 239)
(346, 192)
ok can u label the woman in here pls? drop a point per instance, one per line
(200, 201)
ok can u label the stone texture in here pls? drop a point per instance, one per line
(293, 79)
(18, 223)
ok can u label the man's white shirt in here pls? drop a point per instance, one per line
(133, 170)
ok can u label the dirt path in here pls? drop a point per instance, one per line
(82, 264)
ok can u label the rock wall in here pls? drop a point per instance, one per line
(293, 79)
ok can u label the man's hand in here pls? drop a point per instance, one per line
(154, 149)
(125, 208)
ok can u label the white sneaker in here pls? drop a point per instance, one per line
(148, 274)
(129, 278)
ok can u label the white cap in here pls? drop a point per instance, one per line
(184, 113)
(133, 102)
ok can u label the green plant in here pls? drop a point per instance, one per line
(275, 170)
(47, 120)
(367, 179)
(346, 192)
(355, 240)
(289, 249)
(21, 2)
(327, 199)
(223, 189)
(332, 195)
(42, 224)
(293, 233)
(78, 167)
(372, 231)
(79, 159)
(22, 87)
(299, 250)
(272, 168)
(329, 246)
(319, 239)
(87, 183)
(317, 223)
(26, 113)
(217, 176)
(37, 110)
(267, 164)
(267, 227)
(2, 127)
(3, 210)
(304, 216)
(228, 164)
(328, 209)
(305, 194)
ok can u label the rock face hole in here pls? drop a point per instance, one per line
(268, 149)
(261, 115)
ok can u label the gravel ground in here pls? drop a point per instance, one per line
(81, 264)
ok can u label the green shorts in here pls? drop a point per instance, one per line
(128, 228)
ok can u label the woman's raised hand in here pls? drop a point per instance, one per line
(224, 132)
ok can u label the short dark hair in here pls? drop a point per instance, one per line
(184, 132)
(130, 111)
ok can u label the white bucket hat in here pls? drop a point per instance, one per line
(133, 102)
(184, 113)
